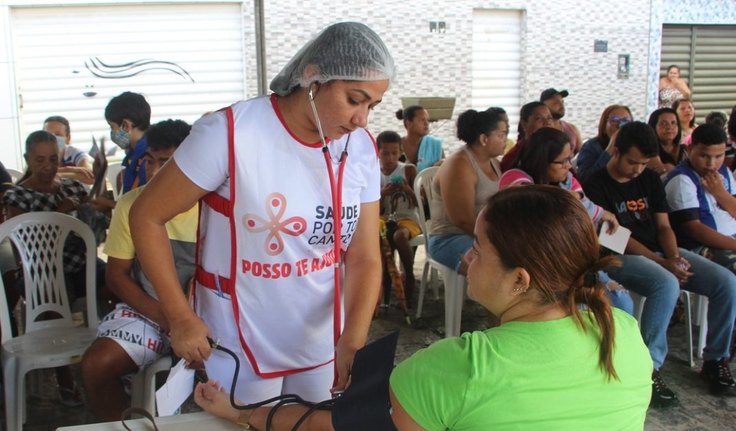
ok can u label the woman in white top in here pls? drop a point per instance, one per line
(286, 210)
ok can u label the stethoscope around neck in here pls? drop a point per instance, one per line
(336, 195)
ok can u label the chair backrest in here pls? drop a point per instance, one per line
(423, 181)
(113, 169)
(15, 174)
(39, 239)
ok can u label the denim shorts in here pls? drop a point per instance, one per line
(449, 249)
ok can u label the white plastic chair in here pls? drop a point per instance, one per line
(15, 174)
(39, 238)
(685, 295)
(702, 322)
(143, 386)
(113, 169)
(454, 282)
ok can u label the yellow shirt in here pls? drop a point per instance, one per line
(119, 242)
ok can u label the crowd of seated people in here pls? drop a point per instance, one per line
(669, 181)
(57, 178)
(681, 235)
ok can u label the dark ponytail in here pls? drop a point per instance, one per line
(589, 290)
(545, 230)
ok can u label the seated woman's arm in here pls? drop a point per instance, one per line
(79, 173)
(457, 185)
(401, 418)
(215, 401)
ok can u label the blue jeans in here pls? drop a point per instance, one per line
(661, 288)
(619, 298)
(449, 249)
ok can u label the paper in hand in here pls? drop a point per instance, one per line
(616, 242)
(179, 385)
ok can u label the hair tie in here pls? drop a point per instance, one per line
(590, 279)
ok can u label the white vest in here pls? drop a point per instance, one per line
(282, 243)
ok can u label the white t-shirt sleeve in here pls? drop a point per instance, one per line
(682, 193)
(372, 191)
(202, 157)
(732, 186)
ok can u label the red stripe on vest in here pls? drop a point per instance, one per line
(218, 203)
(213, 281)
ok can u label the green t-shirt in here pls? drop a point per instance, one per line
(528, 376)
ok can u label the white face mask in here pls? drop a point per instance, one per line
(60, 142)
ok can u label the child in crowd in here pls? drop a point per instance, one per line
(398, 203)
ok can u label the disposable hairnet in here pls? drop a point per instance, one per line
(344, 51)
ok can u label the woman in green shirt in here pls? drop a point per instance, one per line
(562, 358)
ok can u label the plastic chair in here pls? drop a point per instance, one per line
(47, 343)
(113, 169)
(15, 174)
(143, 386)
(454, 282)
(702, 321)
(685, 295)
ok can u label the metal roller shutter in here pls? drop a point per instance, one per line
(497, 61)
(186, 60)
(706, 56)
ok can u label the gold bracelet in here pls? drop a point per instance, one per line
(244, 419)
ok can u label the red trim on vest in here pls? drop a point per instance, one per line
(276, 109)
(290, 372)
(228, 285)
(212, 281)
(218, 203)
(234, 255)
(196, 254)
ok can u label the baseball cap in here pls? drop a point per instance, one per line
(550, 92)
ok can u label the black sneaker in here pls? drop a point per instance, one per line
(662, 396)
(718, 375)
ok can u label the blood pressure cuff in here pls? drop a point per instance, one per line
(365, 404)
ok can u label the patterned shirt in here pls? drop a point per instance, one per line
(28, 200)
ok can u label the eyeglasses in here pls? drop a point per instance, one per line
(563, 162)
(620, 121)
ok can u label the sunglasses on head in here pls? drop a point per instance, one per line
(620, 120)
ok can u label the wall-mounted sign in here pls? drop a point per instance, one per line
(624, 65)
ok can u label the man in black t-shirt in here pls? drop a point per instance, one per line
(655, 267)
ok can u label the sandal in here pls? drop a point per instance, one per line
(70, 397)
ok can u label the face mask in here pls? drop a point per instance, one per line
(121, 138)
(60, 142)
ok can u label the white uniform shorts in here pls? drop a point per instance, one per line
(141, 338)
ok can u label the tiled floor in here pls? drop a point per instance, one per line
(697, 409)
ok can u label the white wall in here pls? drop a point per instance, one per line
(557, 50)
